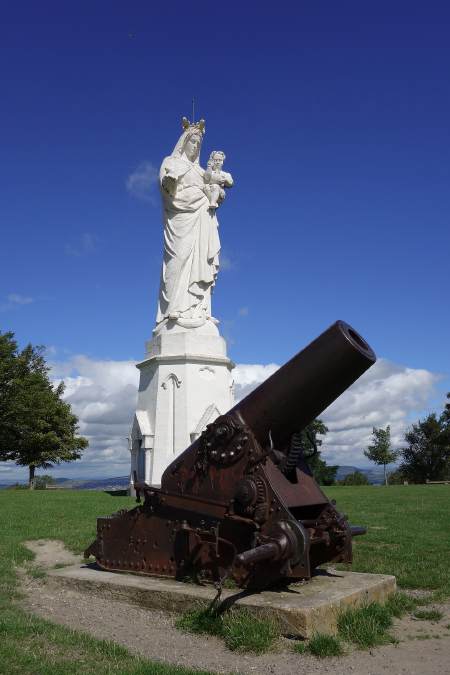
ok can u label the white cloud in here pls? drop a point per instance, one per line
(85, 245)
(19, 299)
(6, 467)
(225, 263)
(15, 300)
(386, 394)
(142, 182)
(103, 396)
(247, 376)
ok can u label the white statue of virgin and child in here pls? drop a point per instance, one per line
(190, 198)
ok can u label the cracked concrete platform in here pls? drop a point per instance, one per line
(303, 608)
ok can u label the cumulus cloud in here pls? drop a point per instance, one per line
(225, 263)
(15, 300)
(6, 468)
(386, 394)
(141, 183)
(103, 395)
(18, 299)
(247, 376)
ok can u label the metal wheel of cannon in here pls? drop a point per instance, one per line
(241, 502)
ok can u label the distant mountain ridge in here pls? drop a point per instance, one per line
(374, 476)
(118, 483)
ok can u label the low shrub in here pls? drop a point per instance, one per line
(366, 626)
(324, 646)
(399, 604)
(428, 614)
(244, 632)
(240, 629)
(200, 621)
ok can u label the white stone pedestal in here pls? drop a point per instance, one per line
(185, 383)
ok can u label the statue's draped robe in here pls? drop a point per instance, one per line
(191, 244)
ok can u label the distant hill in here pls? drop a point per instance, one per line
(374, 476)
(94, 483)
(6, 483)
(119, 483)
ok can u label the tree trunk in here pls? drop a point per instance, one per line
(32, 469)
(385, 475)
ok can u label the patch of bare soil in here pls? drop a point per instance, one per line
(424, 647)
(50, 553)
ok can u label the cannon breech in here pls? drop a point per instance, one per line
(241, 501)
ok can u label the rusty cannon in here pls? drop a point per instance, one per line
(241, 502)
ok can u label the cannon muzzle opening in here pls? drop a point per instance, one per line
(241, 500)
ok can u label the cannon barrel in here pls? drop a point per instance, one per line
(232, 504)
(306, 385)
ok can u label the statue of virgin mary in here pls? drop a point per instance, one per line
(191, 240)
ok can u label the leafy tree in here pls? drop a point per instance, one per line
(427, 455)
(380, 452)
(445, 417)
(9, 389)
(37, 428)
(355, 478)
(323, 473)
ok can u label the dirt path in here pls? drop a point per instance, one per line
(424, 647)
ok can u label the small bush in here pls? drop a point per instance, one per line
(355, 478)
(399, 604)
(425, 600)
(301, 648)
(366, 626)
(241, 630)
(323, 646)
(200, 621)
(396, 478)
(428, 614)
(244, 632)
(41, 482)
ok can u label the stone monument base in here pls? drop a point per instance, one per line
(185, 383)
(303, 608)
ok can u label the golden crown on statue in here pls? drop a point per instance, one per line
(193, 126)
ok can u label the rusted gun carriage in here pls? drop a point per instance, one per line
(241, 500)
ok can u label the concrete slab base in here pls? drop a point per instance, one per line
(303, 608)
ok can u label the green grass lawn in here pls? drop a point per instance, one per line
(29, 644)
(408, 536)
(408, 532)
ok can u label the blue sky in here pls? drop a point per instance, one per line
(334, 118)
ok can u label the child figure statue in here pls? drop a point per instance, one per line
(216, 179)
